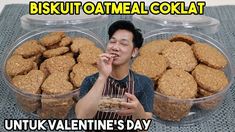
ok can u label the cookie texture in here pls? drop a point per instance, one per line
(55, 108)
(49, 73)
(55, 52)
(180, 55)
(29, 83)
(174, 84)
(177, 83)
(170, 109)
(80, 71)
(17, 65)
(183, 38)
(29, 48)
(154, 47)
(79, 42)
(51, 39)
(66, 41)
(209, 55)
(60, 64)
(210, 79)
(152, 65)
(89, 54)
(57, 83)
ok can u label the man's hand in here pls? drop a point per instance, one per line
(104, 64)
(132, 107)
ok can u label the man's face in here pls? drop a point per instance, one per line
(121, 46)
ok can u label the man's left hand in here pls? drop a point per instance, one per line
(132, 107)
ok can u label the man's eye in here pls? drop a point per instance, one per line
(124, 44)
(112, 41)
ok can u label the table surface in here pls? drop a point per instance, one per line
(222, 120)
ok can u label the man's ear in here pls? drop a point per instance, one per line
(135, 52)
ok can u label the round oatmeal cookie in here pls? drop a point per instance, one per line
(180, 55)
(50, 39)
(151, 65)
(183, 38)
(61, 34)
(55, 52)
(209, 103)
(29, 48)
(154, 47)
(171, 110)
(209, 55)
(55, 108)
(202, 92)
(177, 83)
(29, 83)
(80, 42)
(89, 54)
(17, 65)
(57, 83)
(210, 79)
(80, 71)
(66, 41)
(59, 64)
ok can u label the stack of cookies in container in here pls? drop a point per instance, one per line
(183, 69)
(47, 72)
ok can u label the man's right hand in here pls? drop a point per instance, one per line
(104, 64)
(86, 107)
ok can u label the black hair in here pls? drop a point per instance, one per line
(127, 25)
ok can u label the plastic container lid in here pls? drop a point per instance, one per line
(29, 22)
(200, 23)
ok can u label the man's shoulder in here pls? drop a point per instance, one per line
(140, 77)
(143, 85)
(92, 78)
(87, 83)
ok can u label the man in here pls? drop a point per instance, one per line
(115, 75)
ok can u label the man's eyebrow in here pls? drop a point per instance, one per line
(112, 37)
(123, 39)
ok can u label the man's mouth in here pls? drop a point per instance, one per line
(115, 55)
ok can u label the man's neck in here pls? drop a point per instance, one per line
(120, 72)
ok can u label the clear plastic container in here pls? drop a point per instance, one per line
(42, 105)
(94, 23)
(204, 24)
(189, 110)
(111, 103)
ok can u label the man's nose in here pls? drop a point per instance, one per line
(115, 47)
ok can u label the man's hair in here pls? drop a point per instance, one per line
(127, 25)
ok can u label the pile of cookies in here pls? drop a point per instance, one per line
(182, 68)
(110, 104)
(53, 65)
